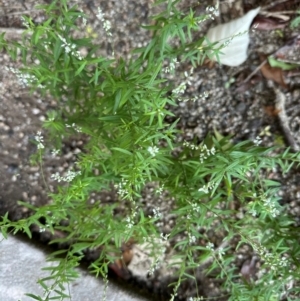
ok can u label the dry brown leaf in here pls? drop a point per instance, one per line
(268, 23)
(289, 51)
(273, 73)
(271, 111)
(119, 267)
(248, 269)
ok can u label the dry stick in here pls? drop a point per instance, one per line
(283, 119)
(20, 12)
(11, 30)
(13, 33)
(273, 4)
(254, 72)
(271, 13)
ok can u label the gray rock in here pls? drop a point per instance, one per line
(20, 268)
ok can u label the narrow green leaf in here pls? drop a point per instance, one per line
(282, 65)
(80, 68)
(117, 100)
(124, 151)
(34, 297)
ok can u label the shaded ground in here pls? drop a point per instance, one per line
(244, 111)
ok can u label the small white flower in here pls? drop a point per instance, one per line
(153, 150)
(70, 175)
(164, 237)
(159, 190)
(70, 48)
(192, 239)
(121, 188)
(75, 127)
(205, 152)
(257, 141)
(106, 24)
(40, 140)
(207, 187)
(212, 11)
(100, 14)
(130, 222)
(25, 22)
(157, 213)
(154, 266)
(171, 66)
(180, 89)
(196, 207)
(210, 246)
(55, 152)
(221, 253)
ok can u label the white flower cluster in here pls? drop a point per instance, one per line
(157, 213)
(55, 152)
(25, 22)
(212, 11)
(130, 222)
(171, 66)
(160, 189)
(221, 253)
(84, 19)
(70, 175)
(70, 48)
(75, 127)
(160, 250)
(175, 289)
(24, 79)
(202, 96)
(190, 145)
(265, 204)
(210, 246)
(106, 23)
(192, 238)
(164, 237)
(154, 266)
(257, 141)
(270, 207)
(206, 188)
(272, 260)
(40, 140)
(130, 219)
(121, 188)
(153, 150)
(196, 207)
(205, 152)
(182, 87)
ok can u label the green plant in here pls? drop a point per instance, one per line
(295, 22)
(121, 107)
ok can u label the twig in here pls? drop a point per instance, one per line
(12, 33)
(288, 12)
(254, 72)
(11, 30)
(20, 12)
(283, 119)
(278, 15)
(272, 4)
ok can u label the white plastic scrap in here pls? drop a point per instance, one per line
(234, 36)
